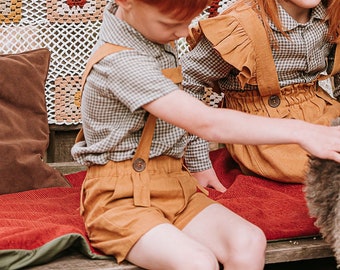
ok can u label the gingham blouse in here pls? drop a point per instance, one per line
(299, 59)
(117, 88)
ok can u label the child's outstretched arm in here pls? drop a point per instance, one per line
(228, 126)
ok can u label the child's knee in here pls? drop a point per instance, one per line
(254, 241)
(248, 250)
(200, 259)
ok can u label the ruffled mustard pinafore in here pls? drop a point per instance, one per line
(238, 36)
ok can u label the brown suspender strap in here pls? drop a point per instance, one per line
(267, 79)
(141, 156)
(174, 74)
(104, 50)
(142, 153)
(140, 177)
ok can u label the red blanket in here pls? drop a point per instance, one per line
(279, 209)
(35, 226)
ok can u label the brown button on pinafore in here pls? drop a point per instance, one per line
(308, 102)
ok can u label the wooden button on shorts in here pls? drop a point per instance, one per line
(112, 220)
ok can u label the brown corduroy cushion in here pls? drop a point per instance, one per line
(24, 132)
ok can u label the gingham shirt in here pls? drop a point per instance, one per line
(298, 60)
(117, 88)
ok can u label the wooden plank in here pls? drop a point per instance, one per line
(61, 140)
(77, 261)
(277, 252)
(54, 127)
(297, 250)
(68, 167)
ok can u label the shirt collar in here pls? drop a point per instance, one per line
(288, 23)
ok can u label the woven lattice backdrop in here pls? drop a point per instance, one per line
(68, 28)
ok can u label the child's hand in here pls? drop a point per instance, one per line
(208, 178)
(322, 141)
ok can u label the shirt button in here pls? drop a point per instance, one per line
(274, 101)
(139, 165)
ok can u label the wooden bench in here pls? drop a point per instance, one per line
(277, 252)
(280, 251)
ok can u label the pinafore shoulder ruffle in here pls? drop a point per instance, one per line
(231, 41)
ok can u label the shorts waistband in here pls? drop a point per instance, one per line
(112, 168)
(141, 180)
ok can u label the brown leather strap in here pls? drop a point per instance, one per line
(267, 78)
(141, 156)
(143, 150)
(174, 74)
(104, 50)
(140, 177)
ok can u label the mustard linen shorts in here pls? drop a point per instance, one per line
(112, 220)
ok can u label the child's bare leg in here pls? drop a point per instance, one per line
(236, 243)
(166, 247)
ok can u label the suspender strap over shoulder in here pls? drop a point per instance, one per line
(267, 79)
(104, 50)
(141, 157)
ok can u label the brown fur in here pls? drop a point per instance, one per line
(322, 195)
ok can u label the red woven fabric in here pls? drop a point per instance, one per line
(33, 218)
(279, 209)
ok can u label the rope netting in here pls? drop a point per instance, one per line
(69, 29)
